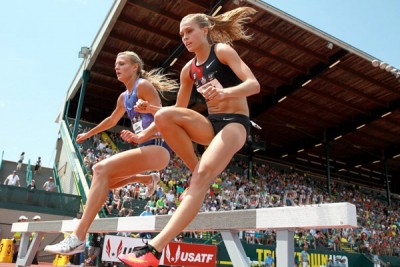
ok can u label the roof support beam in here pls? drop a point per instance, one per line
(369, 79)
(346, 128)
(286, 90)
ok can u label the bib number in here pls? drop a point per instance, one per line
(137, 126)
(213, 82)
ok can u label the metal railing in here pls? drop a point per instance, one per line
(40, 201)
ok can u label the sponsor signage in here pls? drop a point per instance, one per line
(189, 254)
(175, 254)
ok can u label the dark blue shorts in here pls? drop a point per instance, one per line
(156, 142)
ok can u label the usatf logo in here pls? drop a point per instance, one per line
(168, 254)
(189, 254)
(109, 249)
(116, 245)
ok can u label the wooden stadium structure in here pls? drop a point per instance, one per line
(323, 107)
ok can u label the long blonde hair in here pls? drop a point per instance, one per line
(159, 80)
(227, 27)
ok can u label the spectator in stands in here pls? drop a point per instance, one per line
(36, 218)
(136, 191)
(117, 199)
(38, 165)
(304, 256)
(160, 203)
(20, 161)
(17, 239)
(179, 238)
(225, 81)
(269, 261)
(171, 211)
(151, 203)
(50, 185)
(32, 186)
(31, 189)
(259, 237)
(12, 179)
(170, 199)
(94, 249)
(146, 212)
(159, 192)
(376, 259)
(125, 167)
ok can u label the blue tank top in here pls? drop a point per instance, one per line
(140, 121)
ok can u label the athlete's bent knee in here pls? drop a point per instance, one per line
(99, 169)
(163, 157)
(163, 117)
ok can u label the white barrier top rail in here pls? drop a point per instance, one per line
(318, 216)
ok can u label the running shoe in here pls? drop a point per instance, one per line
(145, 256)
(69, 246)
(155, 179)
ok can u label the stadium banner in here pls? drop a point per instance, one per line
(189, 254)
(175, 254)
(317, 258)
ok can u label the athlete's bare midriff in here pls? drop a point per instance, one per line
(233, 105)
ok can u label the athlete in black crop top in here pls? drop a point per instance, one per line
(225, 81)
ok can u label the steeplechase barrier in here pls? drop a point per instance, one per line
(283, 220)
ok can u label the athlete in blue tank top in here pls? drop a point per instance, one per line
(129, 166)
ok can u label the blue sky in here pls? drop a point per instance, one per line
(40, 41)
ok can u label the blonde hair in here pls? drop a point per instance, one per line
(227, 27)
(159, 80)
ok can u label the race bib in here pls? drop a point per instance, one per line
(213, 82)
(137, 126)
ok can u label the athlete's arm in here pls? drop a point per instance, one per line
(107, 123)
(249, 86)
(185, 89)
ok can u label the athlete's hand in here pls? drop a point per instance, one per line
(80, 138)
(141, 106)
(211, 93)
(129, 137)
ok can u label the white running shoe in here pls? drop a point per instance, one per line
(69, 246)
(152, 186)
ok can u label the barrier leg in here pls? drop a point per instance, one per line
(284, 248)
(27, 252)
(235, 249)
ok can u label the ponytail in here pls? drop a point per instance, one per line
(227, 27)
(159, 80)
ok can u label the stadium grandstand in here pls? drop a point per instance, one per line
(327, 131)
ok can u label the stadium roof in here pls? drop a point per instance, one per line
(315, 89)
